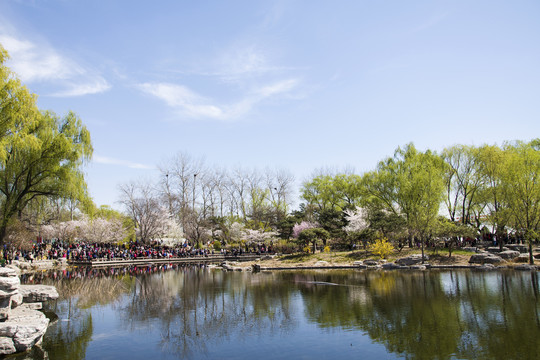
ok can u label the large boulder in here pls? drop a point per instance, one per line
(9, 288)
(411, 260)
(38, 293)
(525, 267)
(25, 328)
(371, 262)
(392, 266)
(509, 254)
(485, 258)
(518, 247)
(496, 249)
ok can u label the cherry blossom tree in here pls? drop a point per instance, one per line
(103, 230)
(357, 220)
(304, 225)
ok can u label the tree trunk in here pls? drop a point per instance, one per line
(531, 257)
(422, 246)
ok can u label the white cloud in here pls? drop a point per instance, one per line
(112, 161)
(93, 86)
(193, 105)
(34, 62)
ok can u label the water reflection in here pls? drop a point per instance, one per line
(197, 313)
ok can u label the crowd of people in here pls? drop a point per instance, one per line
(85, 251)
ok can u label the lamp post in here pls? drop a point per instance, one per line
(194, 178)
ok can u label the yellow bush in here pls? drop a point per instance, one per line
(326, 249)
(307, 250)
(381, 248)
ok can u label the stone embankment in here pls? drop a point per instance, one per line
(483, 260)
(22, 325)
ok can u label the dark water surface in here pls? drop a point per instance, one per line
(199, 313)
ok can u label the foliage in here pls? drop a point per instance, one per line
(40, 153)
(313, 236)
(411, 183)
(217, 245)
(298, 228)
(284, 247)
(521, 179)
(381, 248)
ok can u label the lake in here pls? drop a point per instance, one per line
(191, 312)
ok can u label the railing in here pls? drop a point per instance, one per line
(210, 258)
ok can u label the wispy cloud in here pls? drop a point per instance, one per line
(117, 162)
(35, 62)
(193, 105)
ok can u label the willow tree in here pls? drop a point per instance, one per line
(410, 184)
(41, 154)
(521, 179)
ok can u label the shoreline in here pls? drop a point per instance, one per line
(353, 260)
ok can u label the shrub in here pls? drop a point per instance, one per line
(284, 247)
(307, 249)
(217, 245)
(381, 248)
(326, 249)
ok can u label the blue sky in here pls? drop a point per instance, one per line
(299, 85)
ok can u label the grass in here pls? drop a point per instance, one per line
(439, 256)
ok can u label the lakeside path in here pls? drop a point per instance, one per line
(333, 260)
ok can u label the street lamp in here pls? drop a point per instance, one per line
(194, 178)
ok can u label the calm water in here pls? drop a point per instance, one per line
(198, 313)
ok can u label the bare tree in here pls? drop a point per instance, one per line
(143, 205)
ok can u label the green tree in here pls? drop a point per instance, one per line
(313, 236)
(411, 184)
(40, 153)
(463, 182)
(521, 179)
(492, 163)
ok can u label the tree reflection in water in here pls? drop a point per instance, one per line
(431, 315)
(198, 308)
(420, 315)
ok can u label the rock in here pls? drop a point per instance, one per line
(525, 267)
(14, 268)
(486, 267)
(411, 260)
(7, 272)
(361, 266)
(7, 346)
(496, 249)
(256, 267)
(485, 258)
(38, 293)
(522, 258)
(267, 257)
(418, 267)
(371, 262)
(469, 249)
(16, 300)
(509, 254)
(518, 247)
(358, 263)
(34, 306)
(25, 327)
(393, 266)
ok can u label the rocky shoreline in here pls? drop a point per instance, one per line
(22, 325)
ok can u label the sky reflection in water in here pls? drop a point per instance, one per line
(198, 313)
